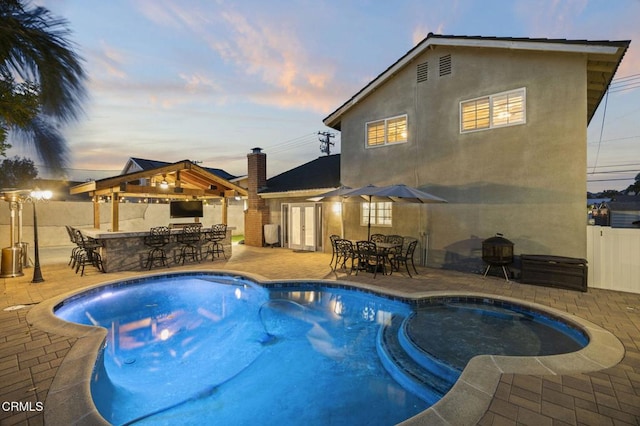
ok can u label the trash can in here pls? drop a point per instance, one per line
(11, 262)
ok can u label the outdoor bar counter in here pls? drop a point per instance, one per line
(126, 250)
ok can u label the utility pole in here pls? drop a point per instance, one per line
(326, 144)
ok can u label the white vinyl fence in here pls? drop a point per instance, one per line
(614, 258)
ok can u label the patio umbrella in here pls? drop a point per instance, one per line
(396, 193)
(407, 194)
(366, 192)
(337, 194)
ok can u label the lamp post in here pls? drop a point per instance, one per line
(36, 196)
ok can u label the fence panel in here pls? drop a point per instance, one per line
(614, 258)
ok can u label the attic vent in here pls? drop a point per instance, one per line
(445, 65)
(423, 72)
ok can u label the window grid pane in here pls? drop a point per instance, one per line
(502, 109)
(397, 130)
(475, 114)
(381, 214)
(375, 133)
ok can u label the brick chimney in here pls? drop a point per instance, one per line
(257, 214)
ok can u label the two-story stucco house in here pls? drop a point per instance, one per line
(496, 126)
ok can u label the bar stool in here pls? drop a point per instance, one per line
(217, 234)
(157, 239)
(88, 253)
(189, 239)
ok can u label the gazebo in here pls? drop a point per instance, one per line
(182, 180)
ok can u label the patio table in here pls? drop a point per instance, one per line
(386, 249)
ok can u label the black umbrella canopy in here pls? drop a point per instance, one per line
(338, 194)
(372, 193)
(407, 194)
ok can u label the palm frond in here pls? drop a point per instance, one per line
(47, 143)
(35, 45)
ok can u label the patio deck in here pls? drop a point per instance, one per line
(29, 357)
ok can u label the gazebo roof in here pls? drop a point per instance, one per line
(184, 179)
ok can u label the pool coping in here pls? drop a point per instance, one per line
(69, 399)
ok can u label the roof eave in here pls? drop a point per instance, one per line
(333, 120)
(295, 193)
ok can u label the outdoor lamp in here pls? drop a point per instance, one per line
(37, 195)
(164, 184)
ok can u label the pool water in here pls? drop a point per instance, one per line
(452, 330)
(218, 349)
(190, 351)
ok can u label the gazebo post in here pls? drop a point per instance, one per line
(225, 204)
(115, 212)
(96, 212)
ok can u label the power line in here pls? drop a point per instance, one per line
(608, 180)
(621, 165)
(612, 172)
(604, 114)
(616, 139)
(288, 145)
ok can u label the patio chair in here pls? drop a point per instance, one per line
(217, 234)
(393, 252)
(405, 257)
(157, 239)
(88, 253)
(189, 240)
(369, 257)
(334, 255)
(75, 251)
(345, 252)
(378, 238)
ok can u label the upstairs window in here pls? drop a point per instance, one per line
(386, 132)
(499, 110)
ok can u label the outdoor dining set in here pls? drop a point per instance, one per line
(191, 242)
(381, 253)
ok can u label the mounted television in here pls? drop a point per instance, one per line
(185, 209)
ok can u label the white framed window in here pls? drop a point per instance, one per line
(497, 110)
(381, 213)
(387, 131)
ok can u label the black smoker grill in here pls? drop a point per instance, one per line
(497, 251)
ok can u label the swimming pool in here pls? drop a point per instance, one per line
(320, 352)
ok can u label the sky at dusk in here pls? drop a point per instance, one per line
(207, 80)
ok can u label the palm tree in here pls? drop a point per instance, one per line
(634, 187)
(37, 61)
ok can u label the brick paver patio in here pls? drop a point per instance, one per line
(29, 358)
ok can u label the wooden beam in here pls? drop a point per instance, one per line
(154, 191)
(82, 188)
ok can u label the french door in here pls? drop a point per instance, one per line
(303, 226)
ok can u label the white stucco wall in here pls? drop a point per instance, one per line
(526, 181)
